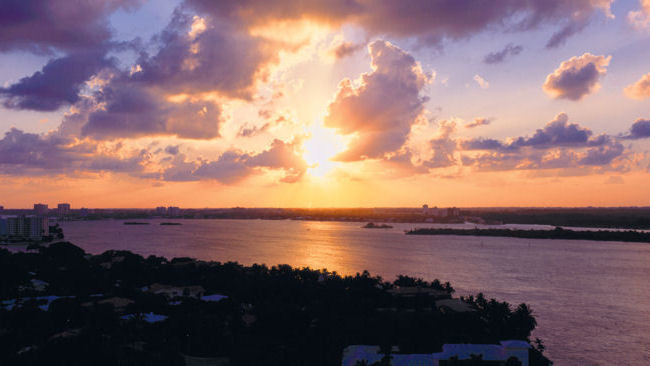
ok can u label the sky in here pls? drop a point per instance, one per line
(345, 103)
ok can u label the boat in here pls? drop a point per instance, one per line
(170, 223)
(135, 223)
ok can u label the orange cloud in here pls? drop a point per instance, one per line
(639, 90)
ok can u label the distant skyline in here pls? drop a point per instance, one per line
(346, 103)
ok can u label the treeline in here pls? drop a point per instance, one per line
(272, 315)
(557, 233)
(619, 217)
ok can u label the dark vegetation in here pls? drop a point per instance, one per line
(557, 233)
(272, 315)
(614, 217)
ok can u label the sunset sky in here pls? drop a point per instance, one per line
(200, 103)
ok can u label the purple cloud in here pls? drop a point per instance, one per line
(233, 166)
(640, 130)
(500, 56)
(57, 84)
(24, 153)
(69, 26)
(577, 77)
(429, 21)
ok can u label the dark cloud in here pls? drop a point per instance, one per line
(69, 26)
(216, 55)
(345, 49)
(500, 56)
(479, 121)
(559, 145)
(429, 21)
(640, 130)
(559, 38)
(172, 149)
(57, 84)
(382, 109)
(128, 110)
(557, 133)
(576, 77)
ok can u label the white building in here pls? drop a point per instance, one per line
(506, 351)
(28, 227)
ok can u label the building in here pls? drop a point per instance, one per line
(173, 211)
(63, 209)
(3, 227)
(425, 209)
(83, 212)
(161, 210)
(506, 353)
(40, 209)
(28, 227)
(453, 212)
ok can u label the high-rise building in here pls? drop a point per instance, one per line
(40, 209)
(3, 227)
(161, 210)
(28, 227)
(63, 209)
(173, 211)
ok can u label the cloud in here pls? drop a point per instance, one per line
(380, 111)
(557, 133)
(500, 56)
(443, 147)
(430, 22)
(345, 49)
(640, 19)
(24, 153)
(639, 90)
(125, 110)
(576, 77)
(640, 130)
(481, 82)
(559, 145)
(68, 26)
(218, 56)
(479, 121)
(234, 166)
(559, 38)
(57, 84)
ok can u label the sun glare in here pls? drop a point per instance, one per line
(320, 147)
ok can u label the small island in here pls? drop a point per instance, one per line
(557, 233)
(135, 223)
(170, 223)
(372, 225)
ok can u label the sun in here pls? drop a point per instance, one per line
(321, 145)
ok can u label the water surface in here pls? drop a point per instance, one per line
(591, 299)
